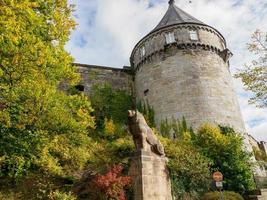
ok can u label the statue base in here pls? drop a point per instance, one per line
(150, 176)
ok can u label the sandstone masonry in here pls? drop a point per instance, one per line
(92, 75)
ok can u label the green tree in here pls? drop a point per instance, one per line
(189, 170)
(175, 128)
(148, 112)
(224, 148)
(40, 126)
(254, 76)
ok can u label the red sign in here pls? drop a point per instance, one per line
(217, 176)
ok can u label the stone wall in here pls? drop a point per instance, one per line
(92, 75)
(194, 83)
(187, 78)
(155, 42)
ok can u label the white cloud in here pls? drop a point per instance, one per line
(118, 25)
(109, 29)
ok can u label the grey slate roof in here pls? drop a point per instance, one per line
(175, 15)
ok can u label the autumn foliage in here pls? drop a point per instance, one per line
(112, 183)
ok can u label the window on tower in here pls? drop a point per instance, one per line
(142, 52)
(193, 35)
(170, 38)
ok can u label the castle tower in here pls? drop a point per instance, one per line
(182, 69)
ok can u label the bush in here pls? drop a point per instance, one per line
(189, 170)
(227, 196)
(224, 148)
(110, 185)
(176, 129)
(61, 196)
(7, 196)
(148, 113)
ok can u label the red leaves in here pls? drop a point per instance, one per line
(112, 183)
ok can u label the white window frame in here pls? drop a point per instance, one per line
(142, 51)
(170, 38)
(193, 35)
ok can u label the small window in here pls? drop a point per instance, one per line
(193, 35)
(169, 38)
(146, 92)
(142, 52)
(79, 88)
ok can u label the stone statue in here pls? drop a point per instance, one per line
(143, 136)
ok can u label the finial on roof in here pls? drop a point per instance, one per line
(171, 2)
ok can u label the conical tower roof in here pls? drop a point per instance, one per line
(175, 15)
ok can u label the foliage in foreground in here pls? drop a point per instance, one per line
(111, 185)
(189, 170)
(40, 127)
(227, 196)
(111, 134)
(254, 76)
(224, 148)
(114, 146)
(56, 195)
(211, 148)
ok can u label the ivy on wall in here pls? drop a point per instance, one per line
(109, 103)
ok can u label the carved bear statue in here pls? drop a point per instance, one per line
(143, 136)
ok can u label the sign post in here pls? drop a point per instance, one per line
(218, 178)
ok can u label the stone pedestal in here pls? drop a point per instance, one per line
(150, 177)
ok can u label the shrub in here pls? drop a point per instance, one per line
(227, 196)
(109, 128)
(57, 195)
(189, 170)
(148, 113)
(175, 128)
(224, 148)
(111, 185)
(108, 152)
(7, 196)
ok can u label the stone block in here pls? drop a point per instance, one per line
(150, 177)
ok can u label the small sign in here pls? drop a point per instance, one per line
(217, 176)
(219, 184)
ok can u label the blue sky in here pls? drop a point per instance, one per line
(108, 30)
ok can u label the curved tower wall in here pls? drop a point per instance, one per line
(187, 78)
